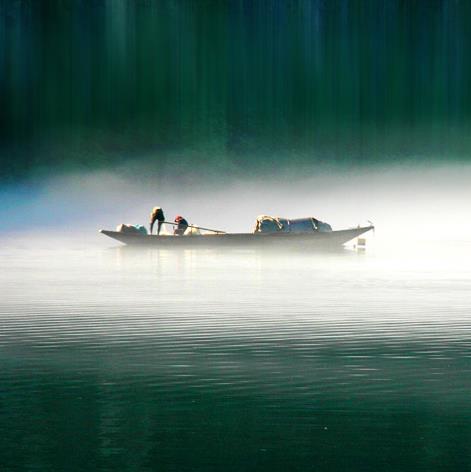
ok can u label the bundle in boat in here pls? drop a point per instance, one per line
(131, 229)
(272, 224)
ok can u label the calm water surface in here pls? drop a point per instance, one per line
(117, 359)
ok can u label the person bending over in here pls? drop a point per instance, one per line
(156, 215)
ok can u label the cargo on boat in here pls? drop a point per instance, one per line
(268, 232)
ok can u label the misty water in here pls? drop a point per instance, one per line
(113, 358)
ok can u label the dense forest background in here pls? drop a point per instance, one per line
(236, 84)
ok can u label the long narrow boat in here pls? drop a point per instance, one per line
(312, 239)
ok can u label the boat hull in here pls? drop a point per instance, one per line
(293, 240)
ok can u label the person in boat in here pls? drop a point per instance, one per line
(181, 226)
(156, 215)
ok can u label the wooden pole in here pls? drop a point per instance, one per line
(196, 227)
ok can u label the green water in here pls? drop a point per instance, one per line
(112, 359)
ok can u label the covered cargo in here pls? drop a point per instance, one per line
(270, 224)
(127, 228)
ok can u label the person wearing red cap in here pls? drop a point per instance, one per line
(181, 226)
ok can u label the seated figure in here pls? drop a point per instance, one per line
(181, 226)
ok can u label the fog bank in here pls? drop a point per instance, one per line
(420, 203)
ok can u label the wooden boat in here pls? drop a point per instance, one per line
(312, 239)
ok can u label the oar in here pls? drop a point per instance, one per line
(196, 227)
